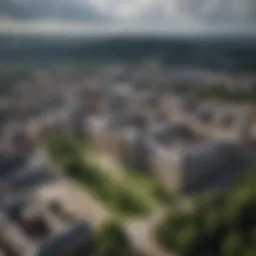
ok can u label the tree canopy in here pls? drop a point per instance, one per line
(218, 225)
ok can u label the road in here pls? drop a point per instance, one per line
(141, 234)
(75, 200)
(73, 197)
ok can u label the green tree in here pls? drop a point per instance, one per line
(242, 209)
(111, 240)
(189, 240)
(63, 148)
(169, 230)
(233, 245)
(163, 195)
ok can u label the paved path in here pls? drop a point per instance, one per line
(78, 201)
(140, 232)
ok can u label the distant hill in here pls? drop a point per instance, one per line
(231, 54)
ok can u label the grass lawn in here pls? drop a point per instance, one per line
(126, 194)
(140, 186)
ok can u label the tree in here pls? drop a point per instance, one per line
(63, 148)
(242, 209)
(111, 240)
(172, 231)
(189, 241)
(130, 203)
(163, 195)
(218, 225)
(233, 245)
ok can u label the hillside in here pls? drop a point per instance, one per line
(217, 53)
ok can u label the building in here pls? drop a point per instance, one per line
(204, 166)
(214, 165)
(76, 240)
(135, 150)
(98, 132)
(26, 179)
(10, 162)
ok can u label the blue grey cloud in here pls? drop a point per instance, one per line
(202, 10)
(143, 10)
(45, 9)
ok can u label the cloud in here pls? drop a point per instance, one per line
(180, 10)
(45, 9)
(172, 11)
(122, 8)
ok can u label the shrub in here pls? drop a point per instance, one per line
(111, 240)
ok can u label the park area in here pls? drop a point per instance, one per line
(126, 194)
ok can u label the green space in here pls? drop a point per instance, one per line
(218, 225)
(145, 184)
(111, 240)
(133, 195)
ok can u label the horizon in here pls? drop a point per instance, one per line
(57, 28)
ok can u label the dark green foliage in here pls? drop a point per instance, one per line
(233, 245)
(69, 154)
(242, 210)
(163, 195)
(219, 225)
(111, 240)
(63, 149)
(174, 50)
(129, 202)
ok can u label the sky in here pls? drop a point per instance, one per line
(176, 9)
(130, 9)
(116, 15)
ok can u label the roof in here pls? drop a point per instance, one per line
(228, 118)
(172, 132)
(121, 122)
(65, 243)
(209, 162)
(10, 162)
(117, 123)
(15, 202)
(213, 151)
(30, 178)
(77, 111)
(206, 110)
(190, 102)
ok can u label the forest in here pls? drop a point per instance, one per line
(221, 53)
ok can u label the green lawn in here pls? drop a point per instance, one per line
(126, 198)
(137, 184)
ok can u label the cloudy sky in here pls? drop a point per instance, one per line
(77, 15)
(177, 9)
